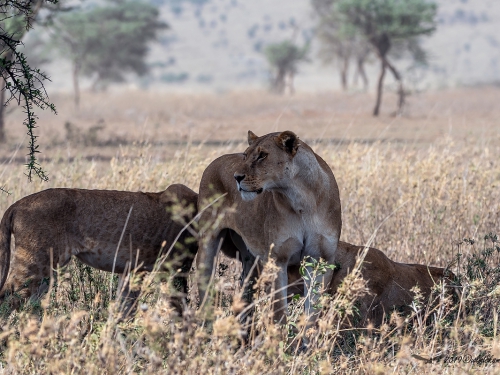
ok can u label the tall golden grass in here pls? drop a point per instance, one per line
(418, 203)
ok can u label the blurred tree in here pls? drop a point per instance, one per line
(18, 80)
(284, 58)
(341, 42)
(361, 56)
(385, 22)
(107, 42)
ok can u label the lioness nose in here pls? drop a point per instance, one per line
(239, 177)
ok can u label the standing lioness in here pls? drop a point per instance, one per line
(282, 202)
(89, 225)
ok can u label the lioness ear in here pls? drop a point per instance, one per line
(251, 137)
(288, 141)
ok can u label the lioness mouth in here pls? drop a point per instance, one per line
(258, 191)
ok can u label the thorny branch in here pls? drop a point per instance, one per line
(23, 83)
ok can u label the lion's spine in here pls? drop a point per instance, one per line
(5, 239)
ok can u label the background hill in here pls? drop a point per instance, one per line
(216, 45)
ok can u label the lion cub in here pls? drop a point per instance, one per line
(89, 224)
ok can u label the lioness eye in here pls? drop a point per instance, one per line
(262, 156)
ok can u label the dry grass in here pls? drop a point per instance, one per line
(422, 184)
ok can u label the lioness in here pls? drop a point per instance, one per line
(389, 282)
(89, 224)
(282, 202)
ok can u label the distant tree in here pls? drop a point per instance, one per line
(361, 56)
(284, 57)
(384, 22)
(20, 82)
(342, 49)
(340, 42)
(107, 42)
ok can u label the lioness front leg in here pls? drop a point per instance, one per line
(282, 254)
(313, 289)
(205, 261)
(129, 294)
(315, 284)
(280, 298)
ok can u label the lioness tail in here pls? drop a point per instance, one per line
(5, 236)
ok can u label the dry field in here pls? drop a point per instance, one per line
(414, 187)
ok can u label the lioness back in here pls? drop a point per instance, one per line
(90, 224)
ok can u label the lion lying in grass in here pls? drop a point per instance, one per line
(106, 229)
(389, 282)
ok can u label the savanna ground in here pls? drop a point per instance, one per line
(423, 188)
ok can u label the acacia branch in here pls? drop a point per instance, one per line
(24, 84)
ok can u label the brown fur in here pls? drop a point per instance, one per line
(389, 282)
(284, 204)
(88, 224)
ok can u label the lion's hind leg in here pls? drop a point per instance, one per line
(29, 274)
(26, 276)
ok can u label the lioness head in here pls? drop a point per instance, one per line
(267, 163)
